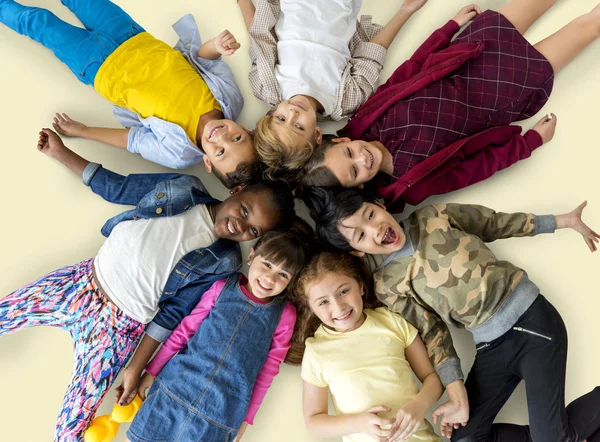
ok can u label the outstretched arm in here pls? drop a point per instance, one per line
(248, 11)
(51, 145)
(572, 220)
(386, 36)
(68, 127)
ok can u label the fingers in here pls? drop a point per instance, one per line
(382, 422)
(411, 429)
(119, 391)
(379, 409)
(42, 141)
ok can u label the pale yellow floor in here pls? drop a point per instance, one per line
(49, 219)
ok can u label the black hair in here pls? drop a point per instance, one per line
(244, 173)
(328, 206)
(281, 197)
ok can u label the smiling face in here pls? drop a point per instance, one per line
(353, 162)
(245, 215)
(295, 122)
(336, 299)
(266, 279)
(371, 229)
(226, 144)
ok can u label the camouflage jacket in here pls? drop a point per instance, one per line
(446, 274)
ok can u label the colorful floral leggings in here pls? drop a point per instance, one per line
(104, 337)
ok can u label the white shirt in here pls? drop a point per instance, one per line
(313, 38)
(135, 261)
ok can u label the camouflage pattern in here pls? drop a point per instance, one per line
(452, 277)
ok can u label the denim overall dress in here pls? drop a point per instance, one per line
(203, 393)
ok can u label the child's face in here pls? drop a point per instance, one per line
(245, 215)
(353, 162)
(371, 229)
(266, 279)
(336, 299)
(295, 122)
(226, 145)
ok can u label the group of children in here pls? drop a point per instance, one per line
(365, 302)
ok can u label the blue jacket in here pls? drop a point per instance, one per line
(159, 195)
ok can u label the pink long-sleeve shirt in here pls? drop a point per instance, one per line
(191, 323)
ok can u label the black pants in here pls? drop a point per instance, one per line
(534, 350)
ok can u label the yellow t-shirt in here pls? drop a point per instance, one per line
(151, 78)
(366, 367)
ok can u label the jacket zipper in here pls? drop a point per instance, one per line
(482, 347)
(521, 329)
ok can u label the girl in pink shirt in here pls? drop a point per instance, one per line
(210, 377)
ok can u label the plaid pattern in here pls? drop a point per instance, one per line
(359, 79)
(509, 81)
(103, 337)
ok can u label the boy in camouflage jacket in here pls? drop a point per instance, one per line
(434, 268)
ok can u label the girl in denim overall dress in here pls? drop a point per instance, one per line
(210, 377)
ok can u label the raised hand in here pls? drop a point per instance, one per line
(64, 125)
(466, 14)
(225, 43)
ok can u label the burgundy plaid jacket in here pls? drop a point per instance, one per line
(460, 164)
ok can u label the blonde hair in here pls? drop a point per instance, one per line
(283, 160)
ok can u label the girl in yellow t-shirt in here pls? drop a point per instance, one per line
(365, 357)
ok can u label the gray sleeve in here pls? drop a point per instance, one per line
(449, 371)
(544, 224)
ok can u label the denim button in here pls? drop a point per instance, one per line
(160, 195)
(159, 210)
(186, 207)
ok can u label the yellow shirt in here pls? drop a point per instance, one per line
(366, 367)
(151, 78)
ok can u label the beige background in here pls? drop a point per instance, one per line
(50, 219)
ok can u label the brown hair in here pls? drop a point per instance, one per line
(326, 261)
(282, 159)
(315, 173)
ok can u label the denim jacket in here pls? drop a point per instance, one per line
(159, 195)
(167, 143)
